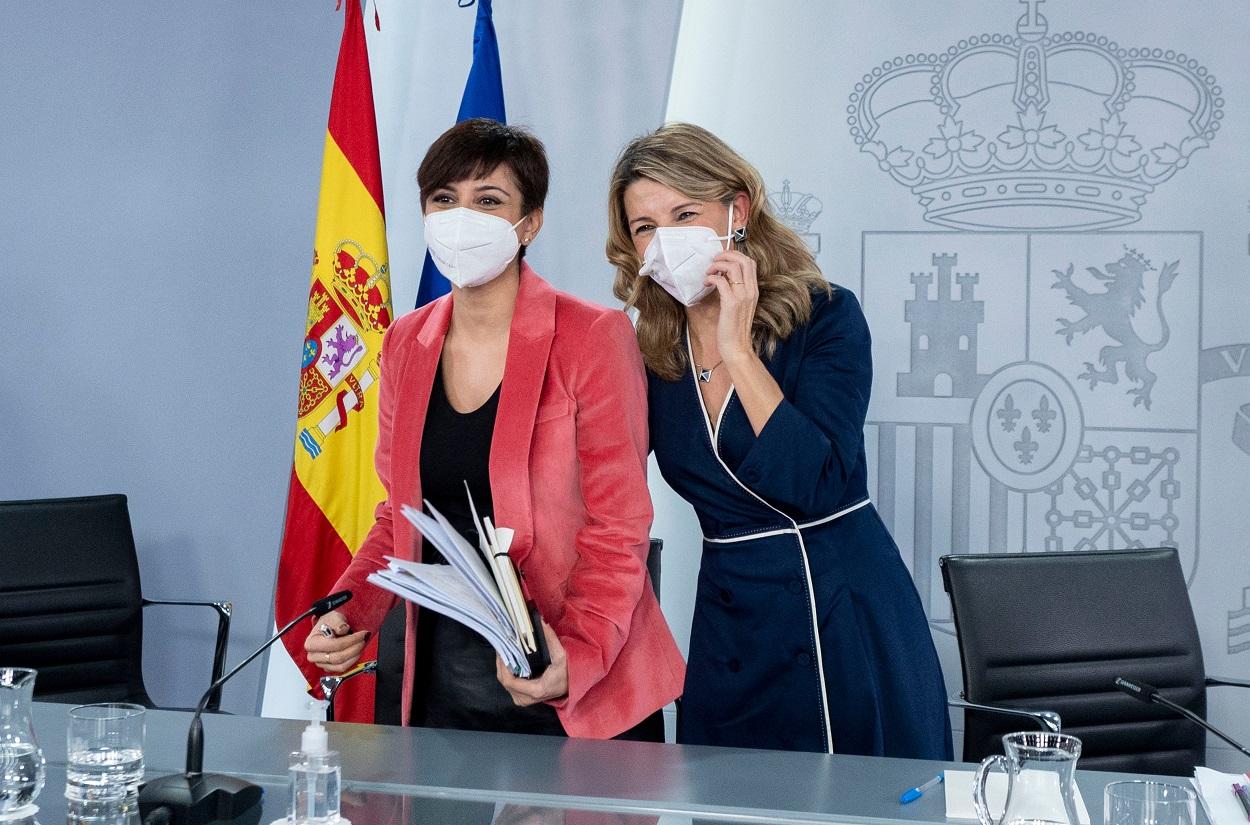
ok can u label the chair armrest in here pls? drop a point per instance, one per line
(1047, 720)
(224, 611)
(330, 684)
(1213, 681)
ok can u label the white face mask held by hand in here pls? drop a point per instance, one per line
(470, 247)
(678, 258)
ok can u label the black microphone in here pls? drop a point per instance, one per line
(332, 602)
(1149, 694)
(195, 797)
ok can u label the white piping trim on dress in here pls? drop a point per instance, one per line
(782, 531)
(720, 416)
(714, 434)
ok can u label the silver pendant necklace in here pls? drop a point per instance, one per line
(705, 375)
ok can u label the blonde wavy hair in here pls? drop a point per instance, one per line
(691, 160)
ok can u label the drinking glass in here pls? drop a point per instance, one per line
(105, 748)
(1138, 802)
(123, 811)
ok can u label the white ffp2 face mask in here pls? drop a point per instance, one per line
(677, 258)
(470, 247)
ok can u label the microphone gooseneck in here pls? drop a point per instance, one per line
(194, 796)
(1150, 695)
(195, 735)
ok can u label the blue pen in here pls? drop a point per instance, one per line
(918, 791)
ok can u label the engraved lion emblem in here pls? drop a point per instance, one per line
(1112, 310)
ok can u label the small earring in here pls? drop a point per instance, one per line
(740, 234)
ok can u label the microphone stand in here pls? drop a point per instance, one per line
(1149, 694)
(1198, 720)
(197, 798)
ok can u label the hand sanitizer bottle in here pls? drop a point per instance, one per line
(315, 777)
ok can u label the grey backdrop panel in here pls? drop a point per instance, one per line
(1042, 206)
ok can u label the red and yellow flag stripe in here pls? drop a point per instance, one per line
(334, 488)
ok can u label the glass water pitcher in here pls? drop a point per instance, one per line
(1041, 769)
(22, 765)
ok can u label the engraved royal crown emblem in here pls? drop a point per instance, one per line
(797, 210)
(1035, 131)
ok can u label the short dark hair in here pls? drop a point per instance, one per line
(476, 147)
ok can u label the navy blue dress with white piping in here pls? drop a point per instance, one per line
(808, 633)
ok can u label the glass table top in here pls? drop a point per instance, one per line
(368, 807)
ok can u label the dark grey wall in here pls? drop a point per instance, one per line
(159, 165)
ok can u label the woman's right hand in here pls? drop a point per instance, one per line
(337, 653)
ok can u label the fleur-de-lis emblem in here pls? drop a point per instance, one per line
(1044, 415)
(1026, 447)
(1008, 414)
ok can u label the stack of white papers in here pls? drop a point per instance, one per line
(1215, 791)
(478, 589)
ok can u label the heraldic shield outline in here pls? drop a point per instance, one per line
(1040, 370)
(980, 437)
(347, 306)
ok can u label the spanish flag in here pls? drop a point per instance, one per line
(334, 488)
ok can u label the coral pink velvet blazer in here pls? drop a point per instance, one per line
(567, 473)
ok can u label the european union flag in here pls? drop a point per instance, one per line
(483, 97)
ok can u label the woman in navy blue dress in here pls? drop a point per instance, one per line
(808, 633)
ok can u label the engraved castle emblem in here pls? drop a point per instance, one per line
(943, 334)
(1035, 131)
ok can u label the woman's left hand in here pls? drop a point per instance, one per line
(733, 275)
(552, 684)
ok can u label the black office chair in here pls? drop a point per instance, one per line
(1052, 631)
(70, 602)
(389, 666)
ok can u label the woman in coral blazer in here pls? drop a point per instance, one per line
(563, 463)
